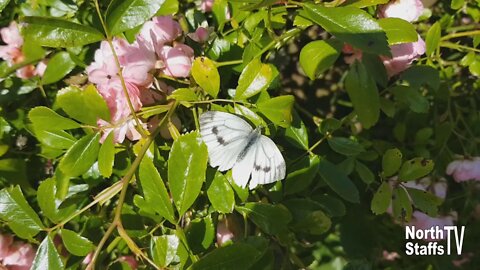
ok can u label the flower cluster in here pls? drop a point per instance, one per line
(13, 54)
(155, 51)
(15, 255)
(403, 54)
(465, 170)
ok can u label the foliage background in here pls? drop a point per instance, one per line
(334, 123)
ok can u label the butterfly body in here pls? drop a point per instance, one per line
(233, 144)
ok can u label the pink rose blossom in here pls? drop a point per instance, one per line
(177, 60)
(19, 257)
(422, 221)
(160, 30)
(11, 35)
(352, 54)
(5, 243)
(130, 260)
(409, 10)
(224, 233)
(403, 55)
(465, 170)
(206, 5)
(123, 128)
(390, 256)
(200, 35)
(87, 258)
(41, 67)
(117, 100)
(104, 69)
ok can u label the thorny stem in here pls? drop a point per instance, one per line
(117, 223)
(120, 73)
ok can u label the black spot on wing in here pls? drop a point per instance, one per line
(266, 169)
(220, 140)
(215, 130)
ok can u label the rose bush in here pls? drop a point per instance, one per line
(373, 105)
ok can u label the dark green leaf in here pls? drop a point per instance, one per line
(415, 169)
(187, 165)
(364, 172)
(81, 156)
(345, 146)
(308, 217)
(220, 194)
(44, 118)
(16, 212)
(364, 3)
(318, 56)
(58, 67)
(52, 32)
(382, 198)
(206, 75)
(47, 257)
(85, 105)
(200, 234)
(299, 179)
(272, 219)
(391, 162)
(331, 205)
(402, 208)
(3, 4)
(338, 181)
(419, 75)
(363, 93)
(75, 243)
(123, 15)
(236, 256)
(154, 191)
(297, 133)
(255, 77)
(278, 110)
(412, 97)
(425, 201)
(432, 40)
(351, 25)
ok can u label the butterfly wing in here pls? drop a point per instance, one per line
(268, 165)
(226, 136)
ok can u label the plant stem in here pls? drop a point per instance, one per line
(461, 34)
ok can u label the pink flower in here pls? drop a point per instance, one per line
(117, 101)
(20, 256)
(121, 129)
(409, 10)
(104, 69)
(87, 258)
(403, 55)
(224, 234)
(422, 221)
(206, 5)
(130, 260)
(200, 35)
(390, 256)
(5, 243)
(439, 188)
(11, 35)
(465, 170)
(160, 30)
(41, 67)
(177, 60)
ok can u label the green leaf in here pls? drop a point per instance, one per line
(81, 156)
(46, 199)
(13, 170)
(164, 250)
(345, 146)
(363, 93)
(187, 165)
(44, 118)
(106, 156)
(308, 217)
(206, 75)
(220, 194)
(415, 169)
(57, 139)
(273, 219)
(402, 208)
(425, 201)
(318, 56)
(398, 30)
(364, 172)
(299, 179)
(58, 67)
(351, 25)
(127, 14)
(47, 257)
(53, 32)
(16, 212)
(3, 4)
(236, 256)
(457, 4)
(183, 94)
(85, 105)
(432, 40)
(364, 3)
(338, 181)
(75, 243)
(297, 133)
(331, 205)
(391, 162)
(382, 198)
(412, 97)
(154, 190)
(200, 234)
(169, 7)
(278, 110)
(419, 75)
(255, 77)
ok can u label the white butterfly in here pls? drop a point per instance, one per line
(233, 143)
